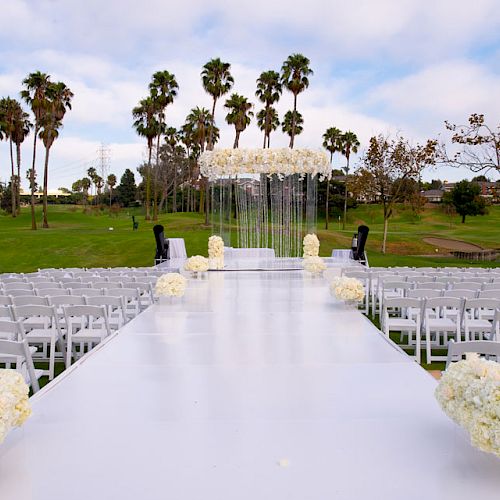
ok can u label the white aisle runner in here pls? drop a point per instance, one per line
(256, 386)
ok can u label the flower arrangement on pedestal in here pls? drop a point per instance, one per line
(196, 264)
(281, 162)
(469, 393)
(14, 401)
(310, 245)
(171, 285)
(314, 265)
(216, 252)
(347, 289)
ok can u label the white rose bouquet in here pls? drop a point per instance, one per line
(469, 393)
(171, 285)
(216, 252)
(310, 245)
(314, 265)
(14, 402)
(196, 264)
(349, 289)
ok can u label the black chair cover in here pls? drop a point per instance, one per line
(359, 254)
(162, 250)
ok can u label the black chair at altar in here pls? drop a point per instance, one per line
(162, 246)
(358, 245)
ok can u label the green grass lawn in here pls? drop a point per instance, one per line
(76, 239)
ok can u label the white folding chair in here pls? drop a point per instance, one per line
(364, 277)
(432, 285)
(442, 317)
(42, 329)
(29, 300)
(76, 284)
(491, 286)
(403, 314)
(115, 309)
(388, 289)
(461, 294)
(87, 292)
(10, 287)
(5, 300)
(104, 285)
(465, 285)
(47, 292)
(478, 317)
(87, 326)
(423, 293)
(20, 353)
(19, 293)
(146, 296)
(489, 294)
(456, 350)
(131, 298)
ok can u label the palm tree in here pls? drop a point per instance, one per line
(349, 144)
(292, 124)
(239, 114)
(217, 81)
(92, 173)
(332, 143)
(172, 138)
(163, 89)
(85, 183)
(58, 101)
(269, 89)
(111, 182)
(22, 127)
(8, 110)
(294, 76)
(268, 120)
(146, 125)
(34, 95)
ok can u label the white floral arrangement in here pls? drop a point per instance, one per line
(171, 285)
(216, 252)
(469, 393)
(350, 289)
(282, 162)
(14, 402)
(196, 264)
(314, 265)
(310, 245)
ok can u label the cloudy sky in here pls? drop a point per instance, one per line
(379, 66)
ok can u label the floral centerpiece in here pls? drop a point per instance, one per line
(14, 401)
(216, 252)
(171, 285)
(196, 264)
(314, 265)
(347, 289)
(469, 393)
(310, 245)
(281, 162)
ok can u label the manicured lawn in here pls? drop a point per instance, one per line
(76, 239)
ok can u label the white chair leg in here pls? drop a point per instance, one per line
(428, 355)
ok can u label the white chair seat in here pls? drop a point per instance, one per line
(442, 324)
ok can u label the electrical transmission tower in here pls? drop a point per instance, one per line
(103, 159)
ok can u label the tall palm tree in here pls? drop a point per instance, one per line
(146, 125)
(239, 114)
(349, 144)
(22, 128)
(163, 89)
(292, 125)
(332, 143)
(172, 138)
(58, 97)
(85, 183)
(111, 182)
(34, 94)
(217, 81)
(268, 120)
(8, 110)
(269, 89)
(295, 74)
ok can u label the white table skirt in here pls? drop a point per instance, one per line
(341, 254)
(177, 248)
(255, 385)
(248, 253)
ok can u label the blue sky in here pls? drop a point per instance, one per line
(380, 66)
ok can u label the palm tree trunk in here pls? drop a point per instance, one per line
(18, 180)
(326, 202)
(236, 140)
(345, 194)
(148, 184)
(265, 139)
(292, 135)
(207, 201)
(12, 180)
(110, 194)
(45, 185)
(174, 189)
(210, 135)
(32, 183)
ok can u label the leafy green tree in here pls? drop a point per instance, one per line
(466, 199)
(295, 74)
(349, 144)
(239, 114)
(269, 89)
(217, 81)
(34, 94)
(126, 191)
(331, 142)
(8, 111)
(146, 125)
(111, 182)
(292, 125)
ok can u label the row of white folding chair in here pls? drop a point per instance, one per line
(456, 350)
(424, 293)
(441, 316)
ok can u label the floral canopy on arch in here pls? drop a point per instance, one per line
(282, 162)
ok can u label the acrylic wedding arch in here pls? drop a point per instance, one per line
(268, 197)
